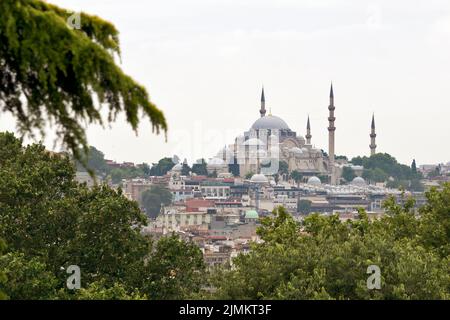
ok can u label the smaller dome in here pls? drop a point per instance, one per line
(266, 160)
(259, 178)
(215, 162)
(314, 181)
(305, 149)
(358, 181)
(251, 214)
(177, 167)
(296, 150)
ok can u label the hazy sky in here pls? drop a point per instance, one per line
(204, 62)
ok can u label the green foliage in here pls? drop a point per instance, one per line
(249, 175)
(413, 185)
(117, 174)
(3, 278)
(375, 175)
(434, 173)
(100, 291)
(162, 167)
(153, 198)
(414, 166)
(175, 270)
(386, 163)
(234, 168)
(325, 258)
(304, 206)
(297, 176)
(379, 167)
(145, 169)
(185, 170)
(283, 167)
(324, 178)
(199, 168)
(51, 72)
(348, 174)
(50, 222)
(95, 162)
(28, 278)
(435, 220)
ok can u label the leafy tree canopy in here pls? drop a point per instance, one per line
(50, 222)
(326, 258)
(153, 198)
(95, 160)
(162, 167)
(304, 206)
(297, 176)
(199, 168)
(348, 174)
(379, 167)
(49, 71)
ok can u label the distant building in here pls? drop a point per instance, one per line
(85, 177)
(134, 188)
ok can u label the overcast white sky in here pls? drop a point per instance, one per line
(203, 63)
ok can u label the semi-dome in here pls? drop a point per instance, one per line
(270, 122)
(358, 181)
(261, 153)
(296, 150)
(177, 167)
(314, 181)
(259, 178)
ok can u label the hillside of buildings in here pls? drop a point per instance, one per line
(226, 227)
(217, 237)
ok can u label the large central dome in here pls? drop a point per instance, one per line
(270, 122)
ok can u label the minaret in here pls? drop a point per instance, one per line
(262, 111)
(373, 135)
(308, 132)
(331, 130)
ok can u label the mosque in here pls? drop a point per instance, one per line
(270, 142)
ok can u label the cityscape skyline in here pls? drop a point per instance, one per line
(251, 150)
(216, 59)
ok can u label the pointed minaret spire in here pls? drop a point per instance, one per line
(373, 135)
(308, 132)
(262, 111)
(331, 130)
